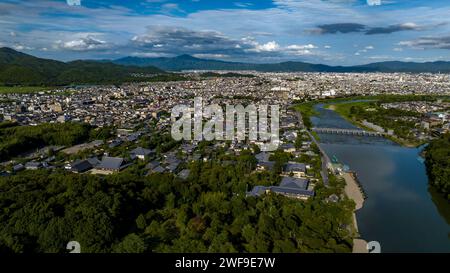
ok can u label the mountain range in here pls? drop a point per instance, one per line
(187, 62)
(18, 68)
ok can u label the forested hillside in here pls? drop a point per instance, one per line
(129, 212)
(438, 164)
(17, 68)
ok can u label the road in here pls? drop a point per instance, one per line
(325, 158)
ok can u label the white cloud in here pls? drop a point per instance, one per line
(285, 23)
(268, 47)
(442, 42)
(74, 2)
(171, 7)
(86, 43)
(300, 50)
(21, 47)
(211, 56)
(301, 47)
(374, 2)
(150, 54)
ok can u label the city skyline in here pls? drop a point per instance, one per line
(358, 32)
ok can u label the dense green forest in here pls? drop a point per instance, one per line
(437, 159)
(17, 68)
(130, 212)
(15, 140)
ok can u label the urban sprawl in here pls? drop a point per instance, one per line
(135, 111)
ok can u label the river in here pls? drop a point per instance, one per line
(402, 212)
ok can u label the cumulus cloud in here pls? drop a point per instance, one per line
(38, 26)
(86, 43)
(74, 2)
(300, 50)
(212, 45)
(267, 47)
(374, 2)
(21, 47)
(170, 8)
(184, 41)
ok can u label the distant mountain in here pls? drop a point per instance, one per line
(184, 62)
(17, 68)
(187, 62)
(412, 67)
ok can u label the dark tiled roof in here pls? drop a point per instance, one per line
(81, 166)
(111, 163)
(262, 157)
(295, 183)
(159, 169)
(173, 166)
(93, 161)
(287, 146)
(33, 164)
(257, 191)
(284, 190)
(152, 165)
(141, 151)
(267, 165)
(294, 167)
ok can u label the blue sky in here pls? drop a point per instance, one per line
(336, 32)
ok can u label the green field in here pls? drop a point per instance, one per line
(306, 109)
(22, 89)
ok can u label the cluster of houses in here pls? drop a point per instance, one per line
(291, 187)
(434, 118)
(295, 181)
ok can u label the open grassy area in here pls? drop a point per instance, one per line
(22, 89)
(356, 112)
(343, 109)
(306, 109)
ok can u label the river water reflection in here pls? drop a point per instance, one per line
(401, 212)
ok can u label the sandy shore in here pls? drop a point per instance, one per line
(353, 192)
(360, 246)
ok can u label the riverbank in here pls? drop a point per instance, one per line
(399, 206)
(354, 192)
(344, 111)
